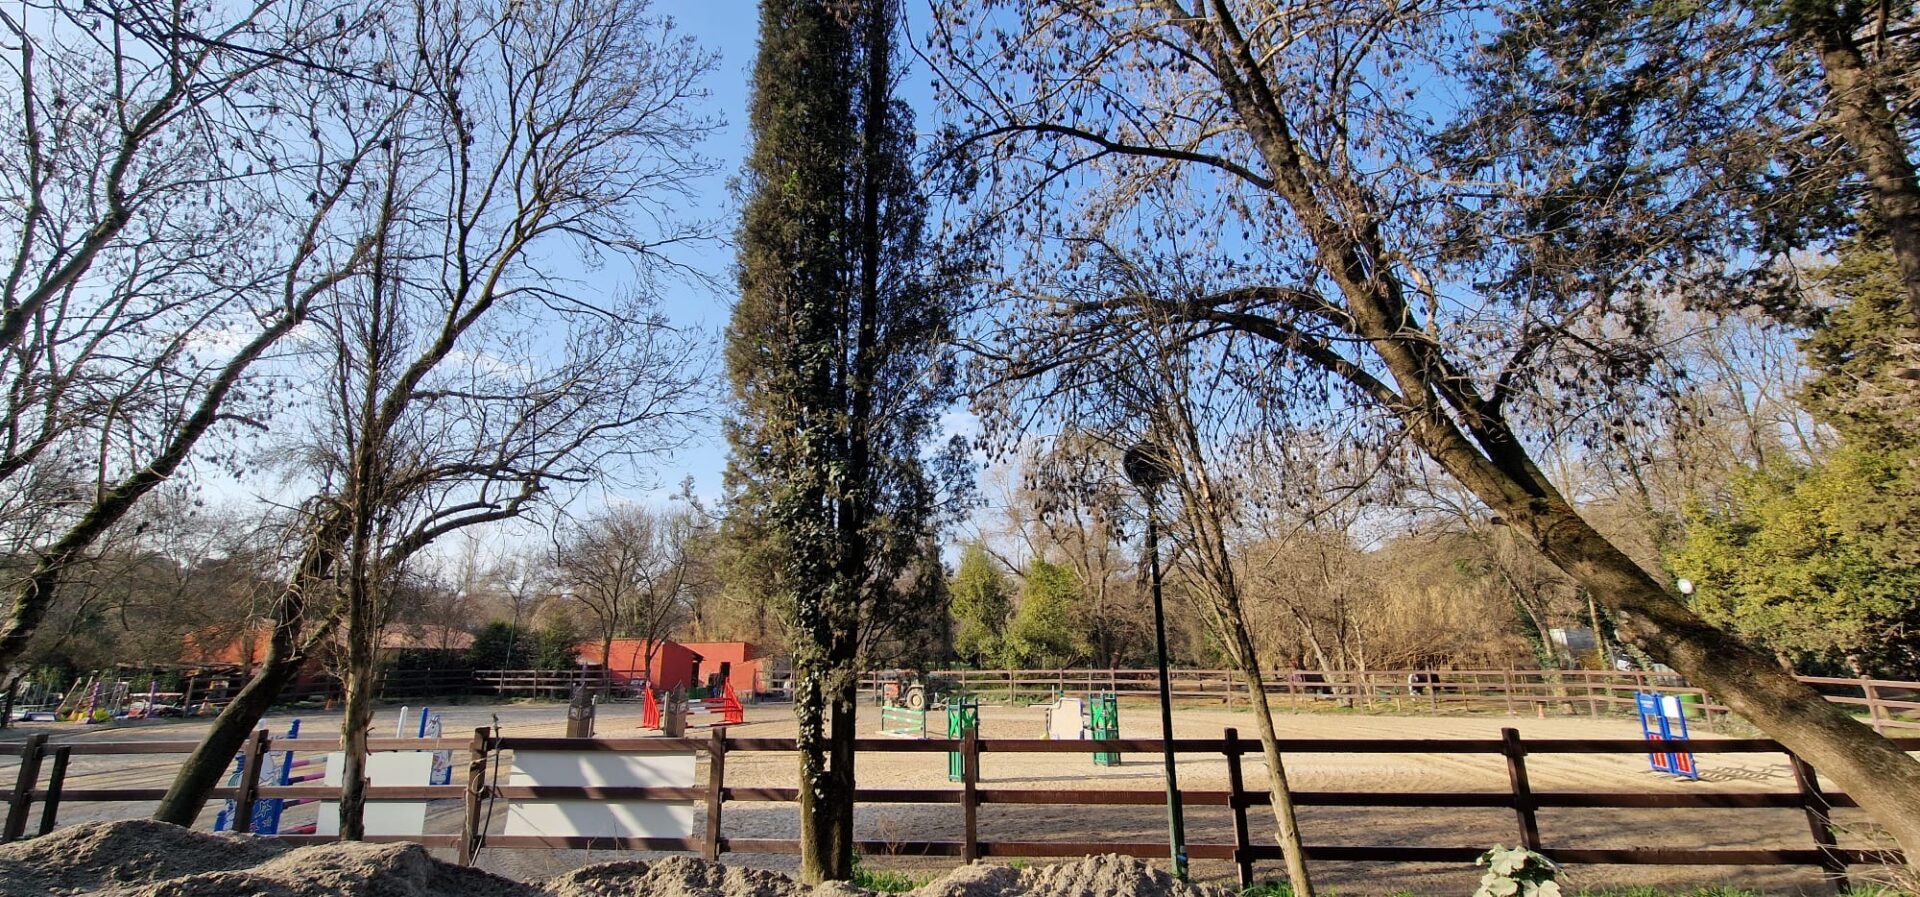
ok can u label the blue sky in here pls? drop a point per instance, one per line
(731, 28)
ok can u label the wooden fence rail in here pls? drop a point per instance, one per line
(1888, 704)
(485, 747)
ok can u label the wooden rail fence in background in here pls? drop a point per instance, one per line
(1888, 704)
(1525, 801)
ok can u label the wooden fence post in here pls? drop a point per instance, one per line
(21, 799)
(970, 795)
(251, 757)
(1873, 702)
(56, 782)
(472, 825)
(1237, 800)
(1506, 689)
(1819, 819)
(1523, 805)
(716, 789)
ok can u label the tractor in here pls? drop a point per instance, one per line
(911, 689)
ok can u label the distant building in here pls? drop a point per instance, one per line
(673, 666)
(247, 647)
(742, 663)
(693, 665)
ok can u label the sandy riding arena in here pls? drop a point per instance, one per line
(1586, 828)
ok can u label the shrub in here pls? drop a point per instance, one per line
(1517, 872)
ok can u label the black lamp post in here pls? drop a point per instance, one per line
(1149, 472)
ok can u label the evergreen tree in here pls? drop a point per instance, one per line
(840, 367)
(981, 606)
(1049, 630)
(1816, 559)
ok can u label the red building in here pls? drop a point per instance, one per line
(741, 663)
(673, 664)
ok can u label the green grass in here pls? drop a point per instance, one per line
(1714, 891)
(883, 880)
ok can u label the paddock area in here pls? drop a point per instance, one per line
(1386, 773)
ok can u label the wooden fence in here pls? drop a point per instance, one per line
(483, 749)
(1889, 704)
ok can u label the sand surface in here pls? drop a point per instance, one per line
(1782, 828)
(150, 859)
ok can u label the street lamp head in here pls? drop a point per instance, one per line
(1146, 467)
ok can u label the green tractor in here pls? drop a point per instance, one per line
(911, 689)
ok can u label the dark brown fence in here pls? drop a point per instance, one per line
(1888, 704)
(1519, 797)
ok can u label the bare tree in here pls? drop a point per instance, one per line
(1147, 390)
(1066, 509)
(521, 583)
(1257, 171)
(180, 178)
(635, 571)
(466, 378)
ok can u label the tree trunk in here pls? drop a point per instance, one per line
(1861, 111)
(201, 772)
(845, 730)
(813, 741)
(1883, 779)
(606, 662)
(358, 717)
(1204, 509)
(1287, 824)
(1470, 438)
(286, 653)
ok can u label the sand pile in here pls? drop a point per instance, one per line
(148, 859)
(1101, 876)
(337, 870)
(98, 856)
(675, 877)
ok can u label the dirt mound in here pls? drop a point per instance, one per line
(99, 856)
(1101, 876)
(150, 859)
(672, 877)
(336, 870)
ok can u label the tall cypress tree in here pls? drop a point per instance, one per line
(839, 359)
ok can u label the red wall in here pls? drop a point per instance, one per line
(672, 667)
(744, 661)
